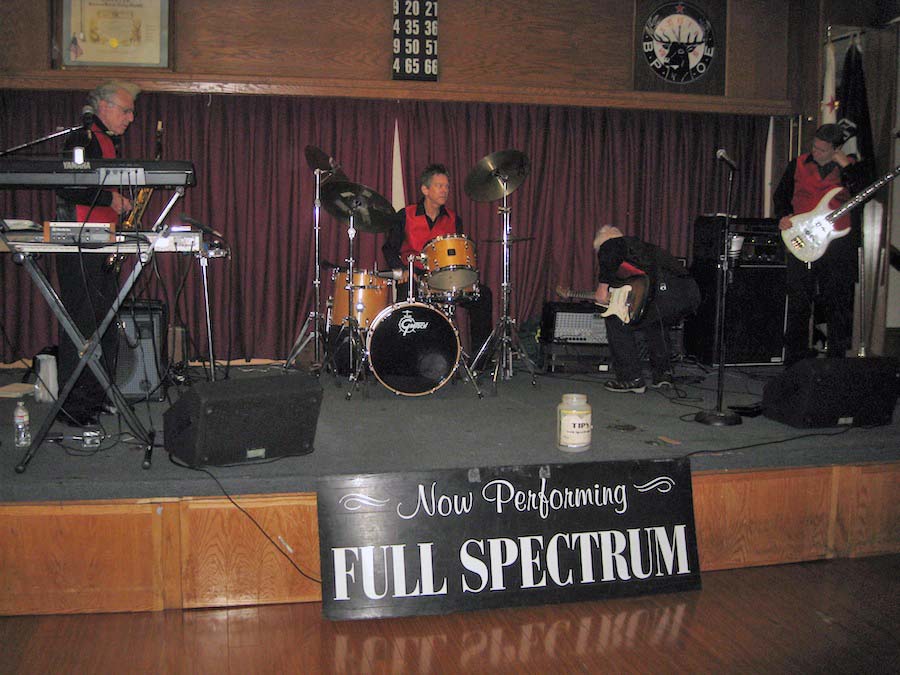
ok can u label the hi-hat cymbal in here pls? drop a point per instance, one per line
(485, 182)
(319, 161)
(371, 212)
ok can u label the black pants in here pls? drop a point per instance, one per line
(674, 299)
(87, 296)
(481, 314)
(828, 283)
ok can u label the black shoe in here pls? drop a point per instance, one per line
(635, 386)
(666, 379)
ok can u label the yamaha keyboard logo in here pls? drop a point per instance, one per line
(75, 166)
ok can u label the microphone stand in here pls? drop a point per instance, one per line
(718, 417)
(42, 139)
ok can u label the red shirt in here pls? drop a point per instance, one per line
(810, 186)
(99, 214)
(418, 233)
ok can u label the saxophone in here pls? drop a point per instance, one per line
(133, 220)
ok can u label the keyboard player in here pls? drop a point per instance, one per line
(86, 289)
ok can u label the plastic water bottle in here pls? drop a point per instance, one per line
(22, 421)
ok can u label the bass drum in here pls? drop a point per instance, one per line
(413, 348)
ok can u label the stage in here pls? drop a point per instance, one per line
(764, 492)
(379, 431)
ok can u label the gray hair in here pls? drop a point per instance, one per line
(107, 90)
(606, 233)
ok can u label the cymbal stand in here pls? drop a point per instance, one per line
(313, 329)
(505, 331)
(355, 341)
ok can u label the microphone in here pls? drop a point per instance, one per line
(87, 116)
(390, 274)
(721, 155)
(203, 226)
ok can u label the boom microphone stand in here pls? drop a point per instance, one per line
(718, 417)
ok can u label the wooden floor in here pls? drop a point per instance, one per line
(830, 616)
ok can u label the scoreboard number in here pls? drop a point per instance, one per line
(415, 40)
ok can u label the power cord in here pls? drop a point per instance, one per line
(249, 517)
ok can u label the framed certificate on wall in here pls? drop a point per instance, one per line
(115, 33)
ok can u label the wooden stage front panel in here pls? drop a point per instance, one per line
(82, 557)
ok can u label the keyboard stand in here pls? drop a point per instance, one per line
(24, 254)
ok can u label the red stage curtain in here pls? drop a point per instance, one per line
(651, 173)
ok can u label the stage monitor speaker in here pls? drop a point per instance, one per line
(248, 420)
(754, 316)
(833, 392)
(140, 360)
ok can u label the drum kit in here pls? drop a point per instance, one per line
(411, 346)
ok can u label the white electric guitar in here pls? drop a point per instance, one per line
(810, 233)
(627, 299)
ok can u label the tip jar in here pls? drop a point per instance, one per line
(573, 423)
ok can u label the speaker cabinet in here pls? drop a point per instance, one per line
(755, 309)
(833, 392)
(140, 360)
(239, 421)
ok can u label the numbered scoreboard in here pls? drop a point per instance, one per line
(415, 54)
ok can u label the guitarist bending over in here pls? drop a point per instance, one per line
(672, 295)
(828, 280)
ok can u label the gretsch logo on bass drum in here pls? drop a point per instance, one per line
(408, 324)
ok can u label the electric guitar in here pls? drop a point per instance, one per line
(810, 233)
(628, 298)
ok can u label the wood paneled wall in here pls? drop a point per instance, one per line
(80, 557)
(573, 52)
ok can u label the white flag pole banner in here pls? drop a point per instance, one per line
(828, 104)
(398, 195)
(450, 540)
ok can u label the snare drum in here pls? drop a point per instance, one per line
(413, 348)
(369, 294)
(436, 297)
(450, 263)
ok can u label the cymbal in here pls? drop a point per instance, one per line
(512, 240)
(371, 212)
(319, 161)
(484, 184)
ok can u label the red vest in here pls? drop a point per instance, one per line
(99, 214)
(810, 187)
(418, 233)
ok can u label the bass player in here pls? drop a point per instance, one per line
(829, 280)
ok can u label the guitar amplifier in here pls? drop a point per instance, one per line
(573, 323)
(760, 243)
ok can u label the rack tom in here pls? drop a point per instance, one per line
(450, 263)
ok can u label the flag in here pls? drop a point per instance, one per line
(853, 109)
(829, 101)
(398, 196)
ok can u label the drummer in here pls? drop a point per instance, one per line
(419, 223)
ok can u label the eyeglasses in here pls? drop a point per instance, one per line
(127, 111)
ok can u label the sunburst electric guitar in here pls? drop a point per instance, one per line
(810, 233)
(627, 299)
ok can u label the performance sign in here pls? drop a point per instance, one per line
(444, 541)
(415, 48)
